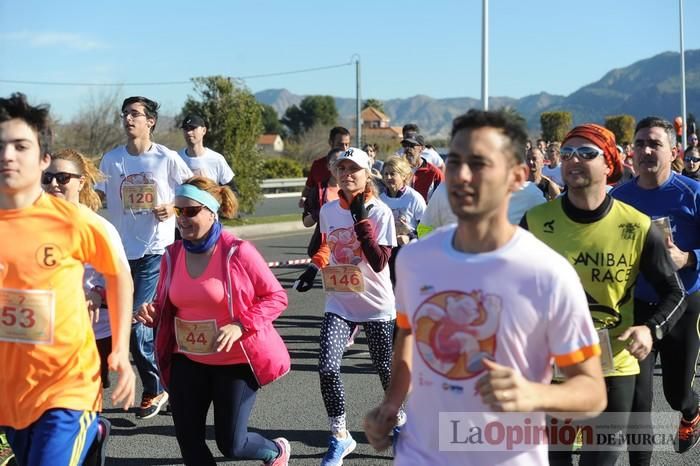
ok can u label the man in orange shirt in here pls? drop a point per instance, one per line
(51, 369)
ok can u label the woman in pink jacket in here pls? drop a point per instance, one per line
(215, 303)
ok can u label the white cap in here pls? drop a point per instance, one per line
(358, 156)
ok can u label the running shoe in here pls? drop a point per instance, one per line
(338, 448)
(151, 405)
(6, 455)
(285, 450)
(688, 434)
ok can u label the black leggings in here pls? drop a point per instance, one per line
(678, 353)
(193, 387)
(335, 332)
(620, 396)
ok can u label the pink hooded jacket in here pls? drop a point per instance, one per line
(255, 299)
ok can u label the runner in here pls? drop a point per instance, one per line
(339, 138)
(51, 369)
(483, 309)
(141, 177)
(609, 244)
(202, 160)
(426, 177)
(214, 309)
(358, 234)
(323, 192)
(406, 204)
(674, 201)
(59, 180)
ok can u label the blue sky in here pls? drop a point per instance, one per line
(406, 48)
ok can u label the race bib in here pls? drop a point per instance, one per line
(138, 197)
(196, 336)
(343, 279)
(606, 357)
(27, 316)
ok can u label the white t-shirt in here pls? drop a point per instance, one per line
(407, 209)
(152, 175)
(554, 174)
(211, 165)
(521, 305)
(92, 278)
(438, 212)
(432, 156)
(377, 301)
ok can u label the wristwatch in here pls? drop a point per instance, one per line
(656, 332)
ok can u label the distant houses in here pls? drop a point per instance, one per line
(375, 125)
(271, 143)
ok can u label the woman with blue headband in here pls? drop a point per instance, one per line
(215, 303)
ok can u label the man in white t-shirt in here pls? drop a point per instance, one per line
(552, 169)
(483, 309)
(202, 160)
(139, 187)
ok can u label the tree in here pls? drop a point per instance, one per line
(555, 125)
(270, 121)
(235, 123)
(96, 128)
(374, 103)
(622, 126)
(313, 110)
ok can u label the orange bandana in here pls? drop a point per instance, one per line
(605, 140)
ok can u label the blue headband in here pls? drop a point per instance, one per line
(192, 192)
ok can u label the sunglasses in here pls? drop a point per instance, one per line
(189, 212)
(692, 159)
(583, 152)
(61, 177)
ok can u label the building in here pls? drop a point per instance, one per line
(272, 143)
(375, 125)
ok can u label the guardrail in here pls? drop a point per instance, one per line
(282, 187)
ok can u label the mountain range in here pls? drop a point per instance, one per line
(647, 87)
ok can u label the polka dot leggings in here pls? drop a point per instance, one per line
(335, 332)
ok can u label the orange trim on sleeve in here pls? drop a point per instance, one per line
(577, 356)
(323, 255)
(402, 321)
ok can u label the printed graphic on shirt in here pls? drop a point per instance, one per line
(345, 248)
(48, 255)
(138, 192)
(454, 331)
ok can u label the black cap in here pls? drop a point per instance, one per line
(415, 139)
(193, 121)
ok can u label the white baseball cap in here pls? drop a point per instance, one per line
(358, 156)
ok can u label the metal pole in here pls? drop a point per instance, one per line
(358, 103)
(684, 136)
(485, 55)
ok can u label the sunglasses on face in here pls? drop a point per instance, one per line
(692, 159)
(189, 212)
(583, 152)
(61, 177)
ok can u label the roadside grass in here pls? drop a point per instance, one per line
(239, 222)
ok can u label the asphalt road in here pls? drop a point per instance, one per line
(292, 407)
(268, 207)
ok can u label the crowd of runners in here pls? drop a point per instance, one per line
(544, 281)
